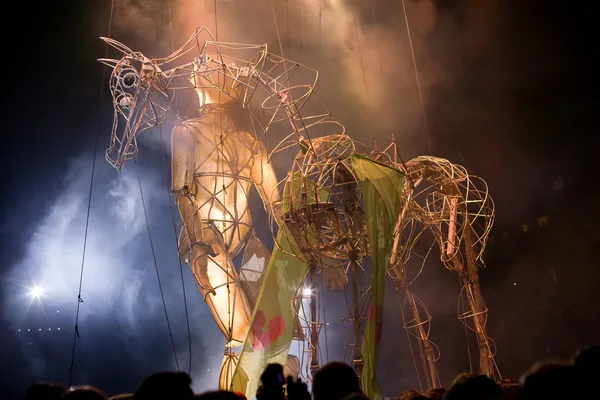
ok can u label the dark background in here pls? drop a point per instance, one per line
(517, 106)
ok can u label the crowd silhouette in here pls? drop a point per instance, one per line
(560, 380)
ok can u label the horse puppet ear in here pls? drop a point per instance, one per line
(117, 45)
(108, 61)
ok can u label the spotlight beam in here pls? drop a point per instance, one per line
(36, 292)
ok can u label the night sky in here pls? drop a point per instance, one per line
(510, 92)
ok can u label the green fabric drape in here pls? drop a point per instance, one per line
(273, 319)
(382, 189)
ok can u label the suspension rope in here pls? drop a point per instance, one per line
(408, 338)
(277, 27)
(424, 363)
(185, 305)
(362, 65)
(414, 60)
(301, 27)
(287, 27)
(89, 207)
(288, 79)
(164, 159)
(162, 296)
(173, 47)
(216, 22)
(161, 16)
(373, 20)
(157, 51)
(320, 23)
(326, 323)
(462, 306)
(305, 131)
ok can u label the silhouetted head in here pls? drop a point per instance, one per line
(411, 395)
(435, 394)
(273, 376)
(165, 385)
(335, 381)
(272, 381)
(44, 391)
(84, 393)
(478, 387)
(553, 381)
(512, 391)
(356, 396)
(462, 377)
(588, 358)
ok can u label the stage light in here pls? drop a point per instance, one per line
(36, 292)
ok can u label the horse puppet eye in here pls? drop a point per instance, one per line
(126, 101)
(129, 79)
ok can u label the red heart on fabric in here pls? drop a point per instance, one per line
(276, 327)
(260, 338)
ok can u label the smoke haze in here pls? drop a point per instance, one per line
(367, 77)
(484, 66)
(120, 288)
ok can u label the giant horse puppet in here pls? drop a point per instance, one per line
(214, 164)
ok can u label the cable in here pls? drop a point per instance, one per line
(173, 47)
(326, 323)
(87, 219)
(373, 19)
(414, 60)
(162, 296)
(287, 27)
(216, 24)
(462, 302)
(412, 352)
(161, 16)
(320, 22)
(301, 27)
(187, 318)
(277, 27)
(288, 79)
(362, 65)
